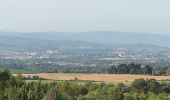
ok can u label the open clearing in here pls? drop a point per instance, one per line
(106, 78)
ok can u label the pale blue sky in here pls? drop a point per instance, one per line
(148, 16)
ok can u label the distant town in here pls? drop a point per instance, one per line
(73, 60)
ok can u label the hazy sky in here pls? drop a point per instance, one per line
(151, 16)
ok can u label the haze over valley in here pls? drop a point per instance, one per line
(81, 52)
(84, 50)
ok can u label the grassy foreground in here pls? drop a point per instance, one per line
(15, 88)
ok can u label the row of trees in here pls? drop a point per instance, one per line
(130, 69)
(15, 88)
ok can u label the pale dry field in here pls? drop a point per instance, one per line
(106, 78)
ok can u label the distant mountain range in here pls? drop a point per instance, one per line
(85, 43)
(106, 37)
(16, 43)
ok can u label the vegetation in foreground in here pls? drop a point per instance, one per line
(15, 88)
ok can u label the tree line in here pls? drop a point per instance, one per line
(15, 88)
(138, 69)
(130, 69)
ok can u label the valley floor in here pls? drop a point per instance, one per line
(106, 78)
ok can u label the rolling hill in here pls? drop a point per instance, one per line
(106, 37)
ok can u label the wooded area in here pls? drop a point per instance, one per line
(138, 69)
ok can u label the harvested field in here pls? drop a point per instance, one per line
(107, 78)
